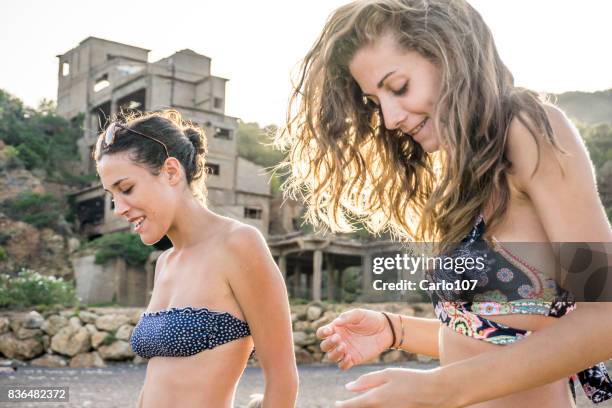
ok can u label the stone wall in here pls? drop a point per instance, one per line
(90, 338)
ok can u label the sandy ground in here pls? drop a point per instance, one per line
(118, 385)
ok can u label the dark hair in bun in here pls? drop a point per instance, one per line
(185, 141)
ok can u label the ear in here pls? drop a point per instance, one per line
(174, 171)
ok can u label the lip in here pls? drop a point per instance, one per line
(412, 132)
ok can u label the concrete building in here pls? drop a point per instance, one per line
(101, 78)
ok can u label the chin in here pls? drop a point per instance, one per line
(150, 240)
(430, 146)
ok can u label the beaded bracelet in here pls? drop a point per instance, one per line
(392, 329)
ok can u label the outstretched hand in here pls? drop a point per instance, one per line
(354, 337)
(398, 388)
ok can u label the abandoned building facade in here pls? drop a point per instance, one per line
(101, 79)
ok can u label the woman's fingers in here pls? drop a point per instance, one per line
(337, 354)
(367, 381)
(353, 316)
(325, 331)
(346, 363)
(330, 343)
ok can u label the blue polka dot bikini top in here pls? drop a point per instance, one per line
(184, 331)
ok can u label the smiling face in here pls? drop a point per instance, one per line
(138, 195)
(403, 83)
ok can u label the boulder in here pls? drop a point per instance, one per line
(12, 347)
(118, 350)
(71, 341)
(88, 317)
(124, 332)
(5, 324)
(111, 322)
(87, 360)
(98, 338)
(53, 324)
(50, 361)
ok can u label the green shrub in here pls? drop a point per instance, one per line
(3, 254)
(120, 245)
(30, 288)
(39, 210)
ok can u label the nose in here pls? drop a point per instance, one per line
(393, 114)
(120, 207)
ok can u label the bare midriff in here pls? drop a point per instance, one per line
(206, 379)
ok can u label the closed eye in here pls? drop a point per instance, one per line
(402, 90)
(128, 191)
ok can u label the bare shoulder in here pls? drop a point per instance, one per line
(240, 236)
(243, 243)
(532, 155)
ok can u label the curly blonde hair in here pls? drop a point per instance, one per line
(347, 167)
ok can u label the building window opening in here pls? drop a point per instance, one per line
(101, 83)
(253, 213)
(65, 69)
(221, 133)
(213, 169)
(218, 103)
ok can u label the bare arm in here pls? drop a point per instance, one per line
(576, 342)
(259, 289)
(420, 334)
(570, 211)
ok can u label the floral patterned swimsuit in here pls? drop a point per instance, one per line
(506, 285)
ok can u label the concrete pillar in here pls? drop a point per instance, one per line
(317, 264)
(297, 280)
(282, 265)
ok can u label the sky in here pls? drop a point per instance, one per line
(549, 45)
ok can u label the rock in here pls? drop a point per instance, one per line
(294, 317)
(139, 360)
(302, 326)
(46, 341)
(313, 312)
(98, 338)
(423, 358)
(22, 333)
(75, 322)
(135, 317)
(5, 325)
(325, 319)
(50, 361)
(303, 357)
(119, 350)
(12, 347)
(303, 339)
(71, 341)
(67, 313)
(73, 244)
(393, 356)
(124, 332)
(91, 328)
(53, 324)
(33, 320)
(111, 322)
(87, 360)
(87, 317)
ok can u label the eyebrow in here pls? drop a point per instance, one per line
(116, 183)
(382, 81)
